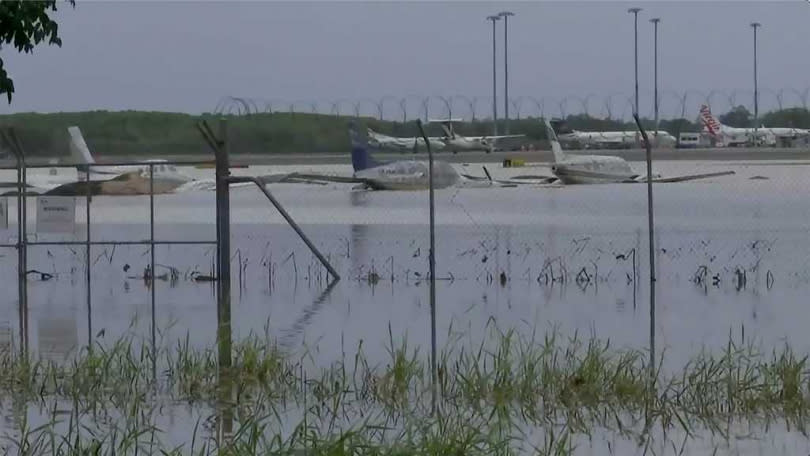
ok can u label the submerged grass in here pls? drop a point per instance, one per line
(506, 394)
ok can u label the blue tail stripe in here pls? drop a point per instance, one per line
(361, 156)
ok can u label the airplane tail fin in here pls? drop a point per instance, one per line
(361, 157)
(712, 124)
(556, 149)
(79, 153)
(448, 129)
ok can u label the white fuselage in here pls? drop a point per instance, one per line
(593, 169)
(380, 141)
(592, 139)
(461, 143)
(162, 173)
(736, 136)
(409, 175)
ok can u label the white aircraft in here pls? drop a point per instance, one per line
(108, 180)
(381, 141)
(610, 139)
(163, 172)
(455, 142)
(735, 136)
(400, 174)
(601, 169)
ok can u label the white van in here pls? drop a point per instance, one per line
(688, 140)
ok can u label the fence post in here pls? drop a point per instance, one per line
(10, 138)
(223, 248)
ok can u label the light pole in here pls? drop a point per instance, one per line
(505, 15)
(494, 81)
(635, 12)
(655, 22)
(755, 26)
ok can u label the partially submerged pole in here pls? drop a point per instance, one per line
(223, 248)
(651, 232)
(432, 262)
(11, 140)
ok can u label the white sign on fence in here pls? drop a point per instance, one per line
(56, 214)
(3, 213)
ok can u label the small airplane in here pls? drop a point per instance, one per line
(108, 180)
(725, 135)
(455, 142)
(401, 174)
(602, 169)
(414, 144)
(609, 139)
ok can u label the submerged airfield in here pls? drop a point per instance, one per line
(731, 252)
(542, 156)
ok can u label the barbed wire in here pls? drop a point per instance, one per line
(672, 104)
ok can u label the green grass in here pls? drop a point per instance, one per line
(511, 392)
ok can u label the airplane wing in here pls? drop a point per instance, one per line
(692, 177)
(311, 178)
(514, 181)
(504, 136)
(685, 178)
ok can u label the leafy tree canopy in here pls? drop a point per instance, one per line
(24, 24)
(739, 116)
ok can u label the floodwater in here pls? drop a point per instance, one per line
(732, 257)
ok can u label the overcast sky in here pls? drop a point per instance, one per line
(185, 55)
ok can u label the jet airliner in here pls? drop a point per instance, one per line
(725, 135)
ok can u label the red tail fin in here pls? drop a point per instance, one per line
(712, 124)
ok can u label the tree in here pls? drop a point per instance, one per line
(739, 116)
(24, 24)
(790, 117)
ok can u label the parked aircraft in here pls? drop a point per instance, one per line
(163, 172)
(600, 169)
(455, 142)
(108, 180)
(382, 141)
(609, 139)
(401, 174)
(725, 135)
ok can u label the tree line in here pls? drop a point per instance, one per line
(164, 134)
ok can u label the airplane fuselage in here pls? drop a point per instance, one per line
(590, 139)
(379, 141)
(461, 144)
(735, 136)
(593, 169)
(409, 175)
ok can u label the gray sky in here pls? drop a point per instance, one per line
(185, 56)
